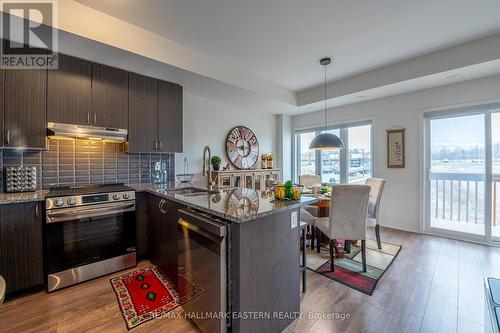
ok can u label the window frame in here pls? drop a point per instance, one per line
(343, 130)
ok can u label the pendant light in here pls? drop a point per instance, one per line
(326, 141)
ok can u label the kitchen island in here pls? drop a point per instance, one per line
(246, 260)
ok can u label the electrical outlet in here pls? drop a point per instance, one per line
(293, 220)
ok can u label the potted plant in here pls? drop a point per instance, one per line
(270, 160)
(216, 161)
(264, 161)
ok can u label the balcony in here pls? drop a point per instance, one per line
(457, 202)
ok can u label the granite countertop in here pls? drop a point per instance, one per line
(233, 204)
(8, 198)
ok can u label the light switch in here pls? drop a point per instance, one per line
(293, 220)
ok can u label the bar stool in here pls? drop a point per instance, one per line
(303, 229)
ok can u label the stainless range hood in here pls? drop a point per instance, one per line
(86, 132)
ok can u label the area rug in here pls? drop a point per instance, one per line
(349, 270)
(145, 293)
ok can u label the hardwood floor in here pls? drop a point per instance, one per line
(434, 285)
(88, 307)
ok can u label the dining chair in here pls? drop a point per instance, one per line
(347, 220)
(377, 186)
(309, 180)
(310, 211)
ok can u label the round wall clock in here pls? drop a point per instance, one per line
(242, 147)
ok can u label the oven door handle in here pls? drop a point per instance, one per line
(79, 213)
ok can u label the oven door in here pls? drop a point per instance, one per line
(79, 236)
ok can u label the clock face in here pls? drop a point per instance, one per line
(242, 147)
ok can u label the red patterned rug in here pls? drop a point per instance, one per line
(145, 293)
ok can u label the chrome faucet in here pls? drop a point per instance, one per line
(207, 171)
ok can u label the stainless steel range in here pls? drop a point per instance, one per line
(90, 232)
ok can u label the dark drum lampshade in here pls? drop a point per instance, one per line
(326, 141)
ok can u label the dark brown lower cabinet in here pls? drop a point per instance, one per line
(141, 224)
(21, 245)
(163, 237)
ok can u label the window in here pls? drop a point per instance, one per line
(330, 164)
(353, 164)
(307, 157)
(359, 159)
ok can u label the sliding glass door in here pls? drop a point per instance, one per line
(352, 165)
(495, 176)
(457, 174)
(463, 173)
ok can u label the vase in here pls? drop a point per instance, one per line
(216, 167)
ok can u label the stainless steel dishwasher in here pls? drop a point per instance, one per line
(202, 255)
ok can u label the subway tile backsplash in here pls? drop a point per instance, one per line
(78, 162)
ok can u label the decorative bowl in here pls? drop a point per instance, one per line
(295, 193)
(185, 177)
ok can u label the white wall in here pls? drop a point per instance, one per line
(284, 145)
(207, 123)
(400, 206)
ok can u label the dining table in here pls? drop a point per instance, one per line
(323, 203)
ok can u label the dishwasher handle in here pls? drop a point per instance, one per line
(201, 222)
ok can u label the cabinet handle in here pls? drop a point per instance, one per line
(7, 137)
(88, 118)
(160, 207)
(36, 210)
(95, 118)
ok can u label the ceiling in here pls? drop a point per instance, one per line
(282, 40)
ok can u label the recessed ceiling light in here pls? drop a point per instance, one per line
(452, 77)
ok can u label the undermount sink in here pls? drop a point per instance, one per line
(194, 191)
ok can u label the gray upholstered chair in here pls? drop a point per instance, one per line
(347, 220)
(308, 213)
(376, 188)
(3, 288)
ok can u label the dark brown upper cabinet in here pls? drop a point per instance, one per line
(109, 96)
(155, 115)
(21, 245)
(169, 117)
(25, 98)
(69, 92)
(143, 114)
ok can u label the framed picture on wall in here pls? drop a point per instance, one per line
(396, 148)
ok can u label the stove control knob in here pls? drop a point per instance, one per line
(58, 202)
(71, 201)
(126, 195)
(116, 196)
